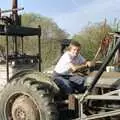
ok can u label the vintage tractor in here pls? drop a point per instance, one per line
(34, 95)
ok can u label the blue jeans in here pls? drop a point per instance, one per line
(77, 82)
(69, 83)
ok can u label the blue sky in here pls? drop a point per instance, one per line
(71, 15)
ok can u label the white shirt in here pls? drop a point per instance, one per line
(63, 65)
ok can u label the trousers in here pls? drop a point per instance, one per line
(70, 83)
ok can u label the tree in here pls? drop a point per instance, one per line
(50, 37)
(90, 38)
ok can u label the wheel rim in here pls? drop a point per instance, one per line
(22, 107)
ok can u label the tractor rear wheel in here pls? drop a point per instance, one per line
(26, 100)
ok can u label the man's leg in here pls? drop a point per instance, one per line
(78, 83)
(63, 83)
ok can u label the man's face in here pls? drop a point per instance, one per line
(74, 50)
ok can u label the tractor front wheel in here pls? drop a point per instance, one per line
(26, 100)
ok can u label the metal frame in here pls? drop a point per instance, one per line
(12, 27)
(108, 96)
(22, 31)
(114, 96)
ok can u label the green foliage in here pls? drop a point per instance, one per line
(50, 38)
(90, 38)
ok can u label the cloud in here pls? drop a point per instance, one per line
(95, 11)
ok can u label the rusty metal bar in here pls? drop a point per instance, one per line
(14, 6)
(0, 12)
(7, 64)
(99, 97)
(39, 49)
(22, 40)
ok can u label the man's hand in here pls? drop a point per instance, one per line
(78, 67)
(90, 63)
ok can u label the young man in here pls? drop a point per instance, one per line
(70, 62)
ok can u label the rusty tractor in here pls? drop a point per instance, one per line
(28, 94)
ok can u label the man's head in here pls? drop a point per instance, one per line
(74, 48)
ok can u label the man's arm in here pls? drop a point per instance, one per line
(86, 64)
(74, 68)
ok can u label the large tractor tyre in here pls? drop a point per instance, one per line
(17, 76)
(26, 100)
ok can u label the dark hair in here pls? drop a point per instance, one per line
(75, 43)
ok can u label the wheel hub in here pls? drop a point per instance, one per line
(20, 114)
(23, 108)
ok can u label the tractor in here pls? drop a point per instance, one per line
(29, 94)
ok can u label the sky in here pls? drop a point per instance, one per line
(71, 15)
